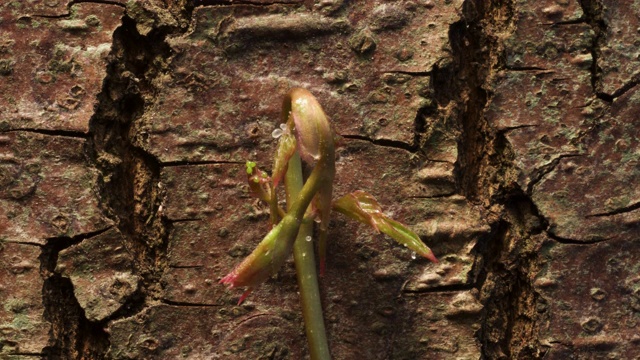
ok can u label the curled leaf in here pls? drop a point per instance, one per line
(312, 129)
(363, 207)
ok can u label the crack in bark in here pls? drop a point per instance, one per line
(69, 5)
(510, 299)
(509, 255)
(635, 80)
(511, 128)
(419, 126)
(3, 241)
(242, 2)
(186, 266)
(433, 196)
(134, 304)
(439, 289)
(54, 245)
(49, 132)
(384, 142)
(72, 334)
(40, 355)
(622, 210)
(569, 241)
(198, 162)
(464, 80)
(106, 2)
(405, 72)
(580, 20)
(128, 187)
(184, 220)
(187, 304)
(539, 173)
(593, 15)
(540, 70)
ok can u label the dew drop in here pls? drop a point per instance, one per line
(413, 255)
(308, 238)
(283, 126)
(276, 133)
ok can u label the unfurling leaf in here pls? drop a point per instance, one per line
(363, 207)
(286, 149)
(250, 165)
(266, 259)
(258, 182)
(260, 186)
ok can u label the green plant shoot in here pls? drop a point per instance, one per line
(307, 137)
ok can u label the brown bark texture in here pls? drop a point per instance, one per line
(505, 133)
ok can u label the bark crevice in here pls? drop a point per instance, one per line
(63, 133)
(128, 179)
(127, 173)
(593, 10)
(72, 335)
(508, 256)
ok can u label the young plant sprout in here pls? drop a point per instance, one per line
(306, 136)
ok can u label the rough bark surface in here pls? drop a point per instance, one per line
(505, 133)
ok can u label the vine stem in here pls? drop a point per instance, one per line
(307, 275)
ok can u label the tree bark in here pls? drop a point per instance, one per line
(504, 133)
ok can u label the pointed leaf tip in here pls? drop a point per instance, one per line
(244, 296)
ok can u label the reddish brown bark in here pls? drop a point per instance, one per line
(504, 133)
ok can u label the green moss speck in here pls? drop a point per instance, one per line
(15, 305)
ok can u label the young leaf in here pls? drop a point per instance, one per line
(250, 165)
(260, 186)
(286, 148)
(363, 207)
(258, 182)
(266, 259)
(312, 129)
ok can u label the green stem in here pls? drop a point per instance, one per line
(303, 255)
